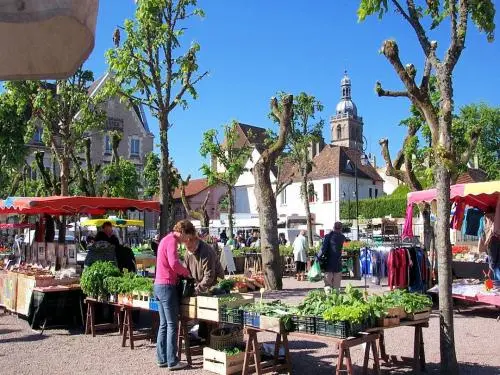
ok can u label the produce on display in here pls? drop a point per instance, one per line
(92, 280)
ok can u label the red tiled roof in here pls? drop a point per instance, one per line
(194, 187)
(472, 175)
(330, 162)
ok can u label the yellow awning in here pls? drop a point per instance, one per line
(116, 222)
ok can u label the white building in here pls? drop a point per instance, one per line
(333, 173)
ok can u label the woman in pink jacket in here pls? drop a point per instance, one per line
(168, 270)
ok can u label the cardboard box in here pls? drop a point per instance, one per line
(220, 363)
(209, 308)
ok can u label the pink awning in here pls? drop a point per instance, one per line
(483, 195)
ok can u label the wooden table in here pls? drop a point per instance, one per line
(128, 332)
(344, 346)
(91, 327)
(252, 351)
(418, 360)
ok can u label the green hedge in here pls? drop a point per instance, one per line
(374, 208)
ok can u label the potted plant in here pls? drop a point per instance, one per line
(92, 280)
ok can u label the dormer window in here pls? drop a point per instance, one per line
(37, 138)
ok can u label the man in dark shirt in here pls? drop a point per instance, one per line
(332, 250)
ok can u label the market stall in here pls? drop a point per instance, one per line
(476, 212)
(39, 260)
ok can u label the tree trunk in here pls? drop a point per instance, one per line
(268, 218)
(165, 199)
(447, 341)
(90, 173)
(65, 171)
(230, 211)
(305, 197)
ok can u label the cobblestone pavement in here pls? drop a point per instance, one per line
(59, 351)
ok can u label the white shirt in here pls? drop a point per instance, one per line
(300, 249)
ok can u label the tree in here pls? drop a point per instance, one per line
(484, 120)
(264, 194)
(200, 213)
(14, 115)
(151, 175)
(120, 179)
(439, 119)
(64, 112)
(301, 138)
(231, 158)
(151, 68)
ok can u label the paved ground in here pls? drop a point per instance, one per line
(23, 351)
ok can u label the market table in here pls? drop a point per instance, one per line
(418, 360)
(55, 302)
(344, 345)
(252, 349)
(91, 327)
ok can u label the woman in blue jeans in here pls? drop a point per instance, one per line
(168, 270)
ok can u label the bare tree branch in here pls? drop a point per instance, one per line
(381, 92)
(458, 32)
(285, 115)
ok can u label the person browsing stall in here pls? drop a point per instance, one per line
(201, 261)
(168, 271)
(332, 250)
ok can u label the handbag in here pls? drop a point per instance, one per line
(186, 288)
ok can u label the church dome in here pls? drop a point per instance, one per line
(346, 106)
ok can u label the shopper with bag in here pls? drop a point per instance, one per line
(168, 271)
(300, 255)
(330, 256)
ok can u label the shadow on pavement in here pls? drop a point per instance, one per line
(29, 338)
(5, 331)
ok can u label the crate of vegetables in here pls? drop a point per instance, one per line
(210, 307)
(223, 362)
(340, 329)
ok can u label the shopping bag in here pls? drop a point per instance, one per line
(314, 273)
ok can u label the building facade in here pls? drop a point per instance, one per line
(129, 119)
(333, 174)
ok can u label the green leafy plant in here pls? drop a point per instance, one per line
(355, 313)
(92, 280)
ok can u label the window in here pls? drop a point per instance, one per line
(339, 132)
(311, 194)
(376, 193)
(107, 144)
(327, 192)
(370, 192)
(283, 197)
(37, 138)
(134, 147)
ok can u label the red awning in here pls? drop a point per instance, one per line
(16, 225)
(58, 205)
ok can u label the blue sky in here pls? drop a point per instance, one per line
(253, 49)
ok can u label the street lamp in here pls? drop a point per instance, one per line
(364, 162)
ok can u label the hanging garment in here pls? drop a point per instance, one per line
(408, 225)
(486, 232)
(458, 217)
(471, 221)
(365, 261)
(392, 264)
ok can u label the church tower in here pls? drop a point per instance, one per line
(345, 125)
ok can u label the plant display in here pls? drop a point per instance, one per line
(411, 302)
(92, 280)
(353, 246)
(355, 313)
(226, 284)
(286, 250)
(128, 283)
(275, 309)
(232, 351)
(317, 301)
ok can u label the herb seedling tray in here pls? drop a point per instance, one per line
(419, 315)
(341, 330)
(231, 315)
